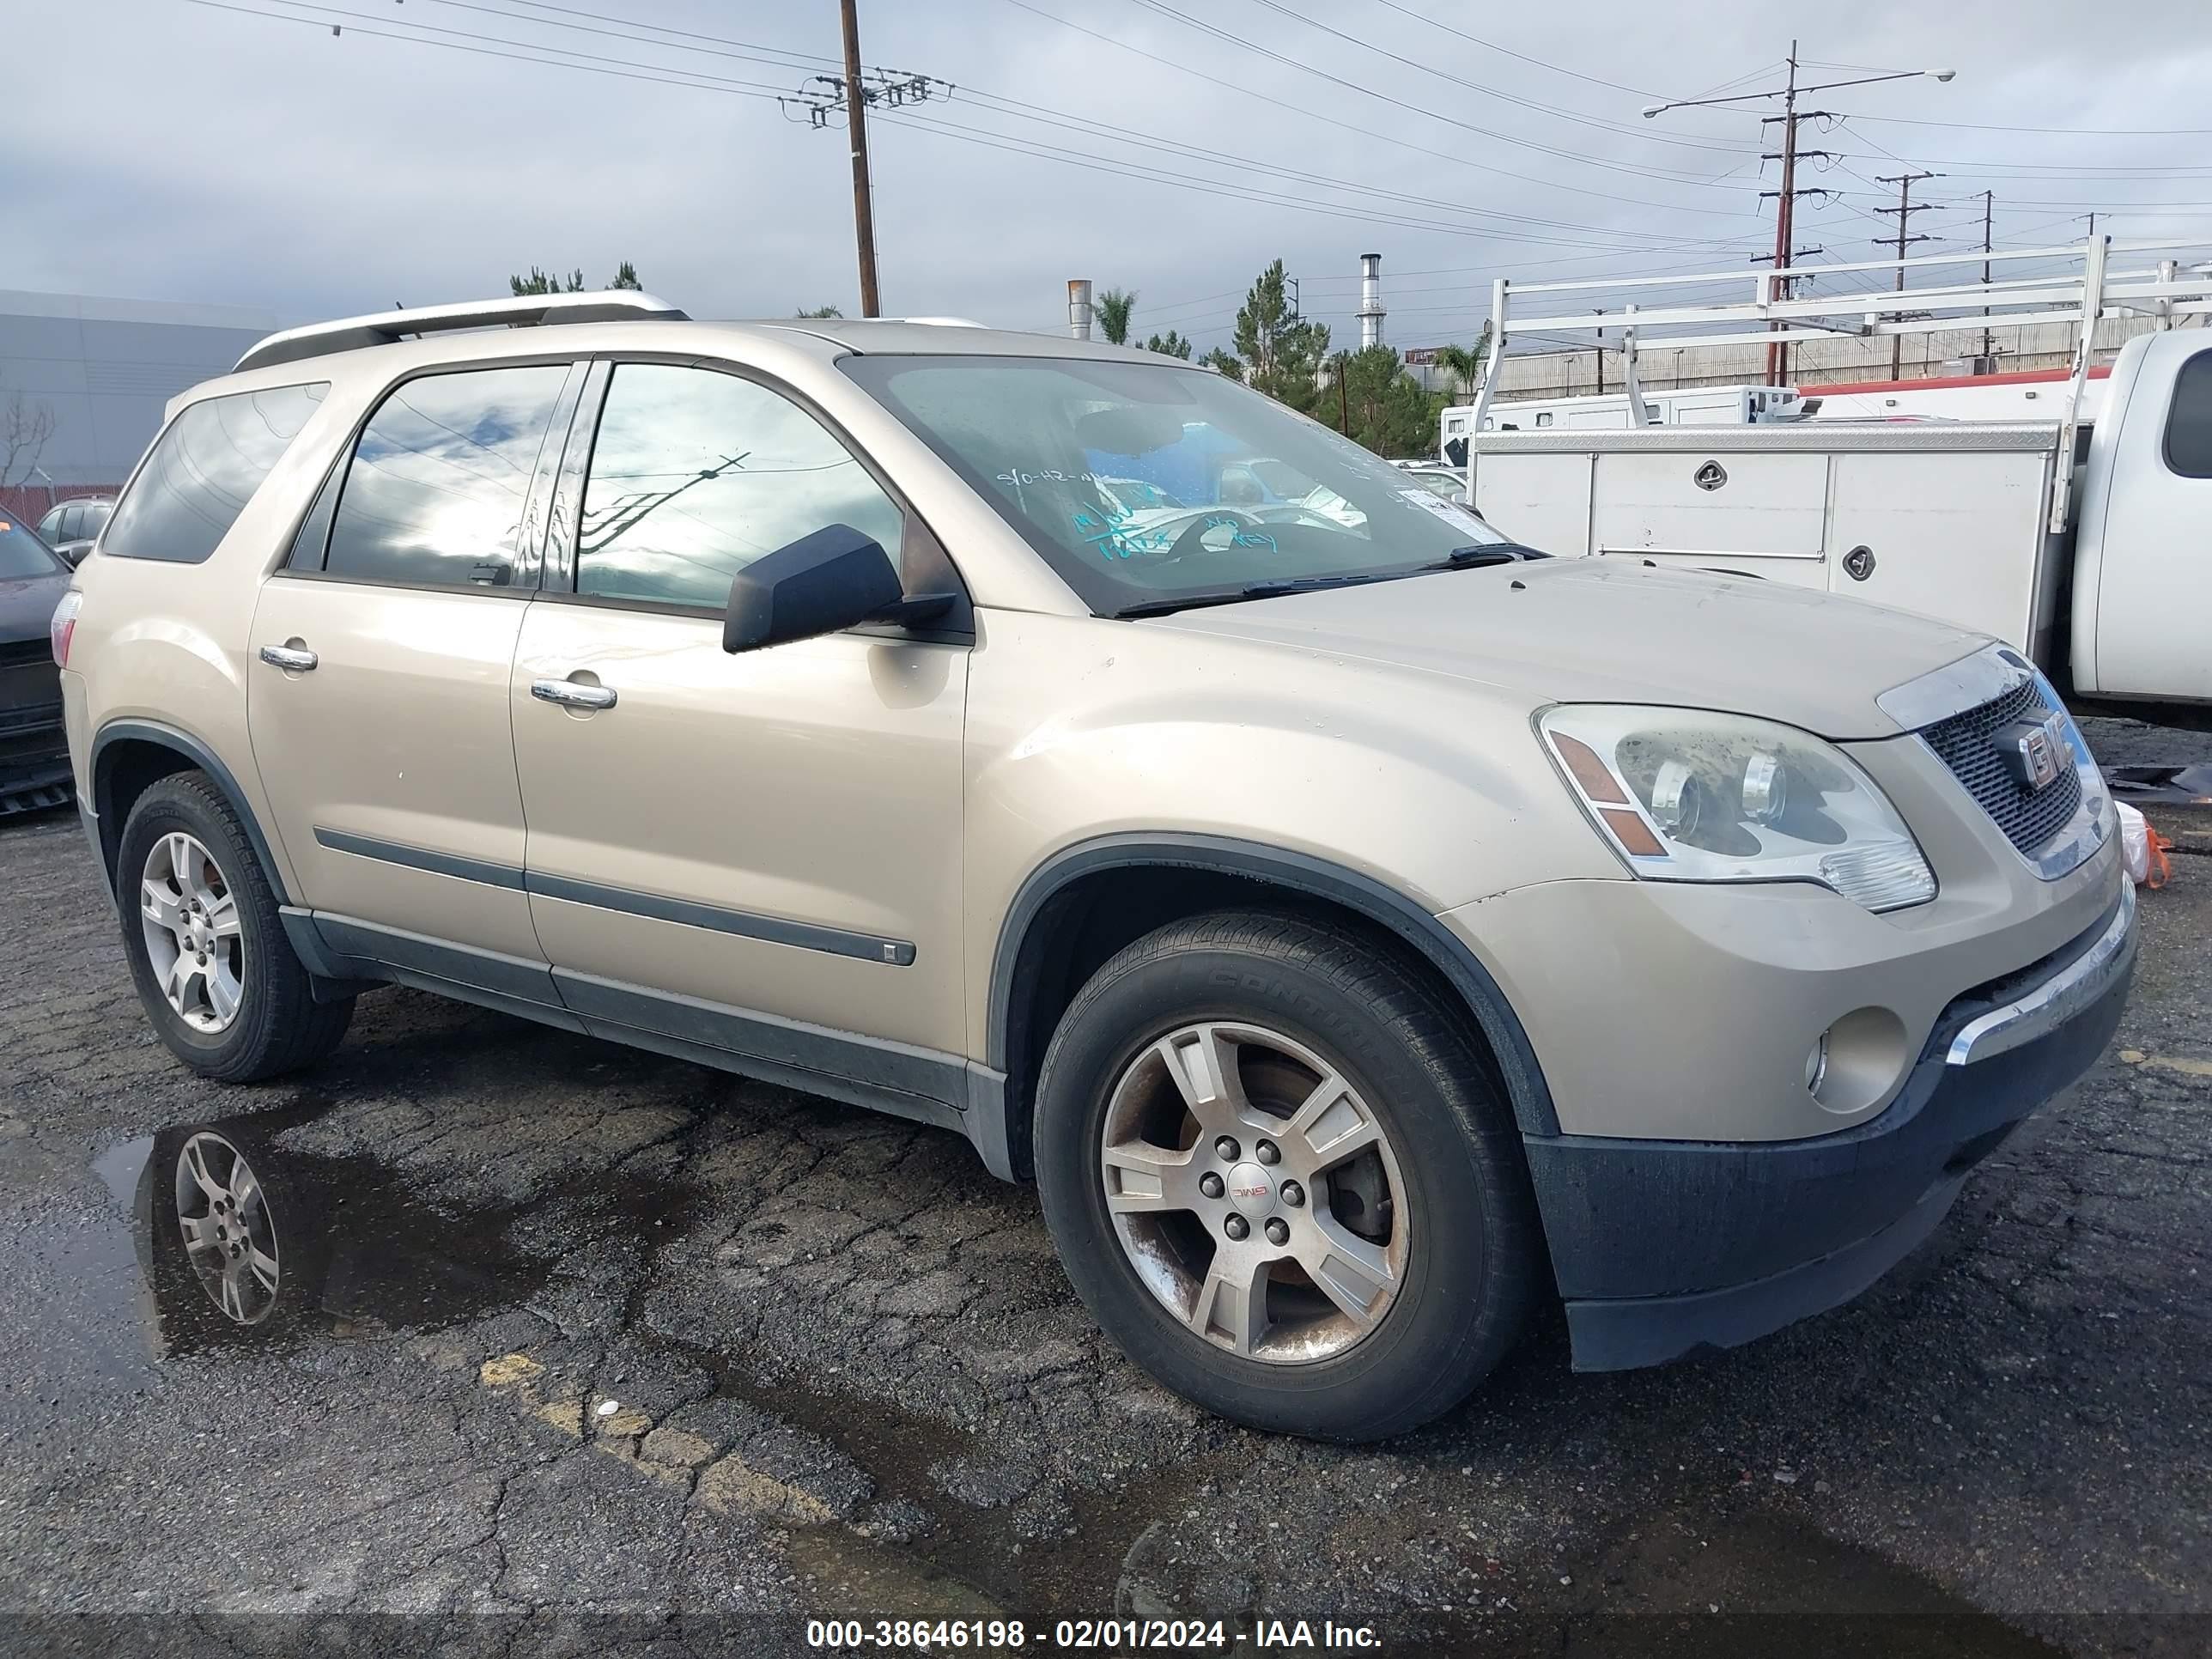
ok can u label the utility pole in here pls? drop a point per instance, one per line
(1989, 204)
(1789, 155)
(856, 123)
(1785, 198)
(1905, 208)
(821, 98)
(1789, 286)
(1785, 204)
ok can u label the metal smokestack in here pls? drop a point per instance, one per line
(1079, 307)
(1371, 300)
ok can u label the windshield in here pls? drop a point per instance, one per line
(1142, 484)
(22, 553)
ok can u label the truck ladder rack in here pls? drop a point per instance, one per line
(2095, 290)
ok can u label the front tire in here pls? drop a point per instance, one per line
(207, 949)
(1278, 1176)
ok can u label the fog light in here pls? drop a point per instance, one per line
(1816, 1065)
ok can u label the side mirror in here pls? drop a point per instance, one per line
(72, 553)
(834, 579)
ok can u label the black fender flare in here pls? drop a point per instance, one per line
(1531, 1099)
(196, 751)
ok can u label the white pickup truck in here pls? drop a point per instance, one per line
(2100, 569)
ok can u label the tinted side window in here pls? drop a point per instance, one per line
(95, 516)
(203, 470)
(72, 524)
(695, 474)
(50, 527)
(2189, 423)
(435, 493)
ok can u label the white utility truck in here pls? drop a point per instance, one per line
(1704, 405)
(2087, 545)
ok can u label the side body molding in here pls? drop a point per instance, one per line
(1523, 1078)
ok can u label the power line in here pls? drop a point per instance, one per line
(665, 76)
(563, 58)
(1154, 175)
(1307, 114)
(1488, 91)
(1080, 157)
(2066, 132)
(1491, 46)
(1233, 39)
(749, 51)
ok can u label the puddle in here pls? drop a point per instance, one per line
(236, 1237)
(118, 1166)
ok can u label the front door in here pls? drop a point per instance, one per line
(2152, 589)
(377, 695)
(773, 833)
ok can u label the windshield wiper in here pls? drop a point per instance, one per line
(1469, 558)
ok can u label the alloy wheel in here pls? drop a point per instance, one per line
(230, 1239)
(1255, 1192)
(189, 916)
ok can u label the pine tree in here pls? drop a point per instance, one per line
(1281, 351)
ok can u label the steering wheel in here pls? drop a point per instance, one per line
(1194, 533)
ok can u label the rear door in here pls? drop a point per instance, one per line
(772, 833)
(381, 652)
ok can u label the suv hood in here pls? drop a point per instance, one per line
(1604, 631)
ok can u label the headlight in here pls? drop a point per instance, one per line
(1689, 796)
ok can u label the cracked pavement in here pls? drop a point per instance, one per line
(578, 1349)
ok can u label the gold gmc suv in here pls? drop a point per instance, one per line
(1360, 927)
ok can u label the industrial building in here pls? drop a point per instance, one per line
(95, 374)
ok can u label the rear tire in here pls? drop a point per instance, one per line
(1422, 1243)
(242, 1007)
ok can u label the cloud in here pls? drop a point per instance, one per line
(191, 152)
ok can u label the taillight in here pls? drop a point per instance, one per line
(63, 626)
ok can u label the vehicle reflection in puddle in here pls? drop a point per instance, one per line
(241, 1238)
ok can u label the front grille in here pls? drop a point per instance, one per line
(14, 652)
(2029, 817)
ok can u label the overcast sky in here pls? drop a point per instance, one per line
(177, 150)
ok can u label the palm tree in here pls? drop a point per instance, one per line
(1464, 363)
(1112, 308)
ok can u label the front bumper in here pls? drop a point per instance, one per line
(1664, 1247)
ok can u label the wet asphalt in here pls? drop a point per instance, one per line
(578, 1349)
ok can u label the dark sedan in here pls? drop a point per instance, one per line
(34, 767)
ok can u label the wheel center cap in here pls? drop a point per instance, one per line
(1251, 1189)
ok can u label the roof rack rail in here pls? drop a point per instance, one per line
(387, 327)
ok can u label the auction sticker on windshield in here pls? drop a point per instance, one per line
(1450, 512)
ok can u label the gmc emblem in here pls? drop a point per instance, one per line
(2033, 750)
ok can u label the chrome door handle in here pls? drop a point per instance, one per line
(569, 695)
(297, 659)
